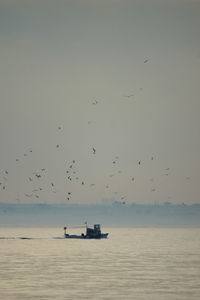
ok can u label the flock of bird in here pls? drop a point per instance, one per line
(72, 173)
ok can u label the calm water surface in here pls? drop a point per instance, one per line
(137, 263)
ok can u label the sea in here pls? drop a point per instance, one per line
(133, 263)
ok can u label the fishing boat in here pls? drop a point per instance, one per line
(91, 233)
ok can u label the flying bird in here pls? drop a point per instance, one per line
(94, 150)
(28, 195)
(129, 96)
(95, 102)
(145, 61)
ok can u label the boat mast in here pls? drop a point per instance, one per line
(86, 227)
(65, 231)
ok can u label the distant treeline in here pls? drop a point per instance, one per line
(116, 214)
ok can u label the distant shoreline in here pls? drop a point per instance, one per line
(114, 215)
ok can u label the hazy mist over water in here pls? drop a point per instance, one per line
(140, 263)
(116, 214)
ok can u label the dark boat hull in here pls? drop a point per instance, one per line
(73, 236)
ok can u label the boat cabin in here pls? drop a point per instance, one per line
(94, 233)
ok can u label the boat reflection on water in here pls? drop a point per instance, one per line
(91, 233)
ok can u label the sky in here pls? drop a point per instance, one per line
(121, 77)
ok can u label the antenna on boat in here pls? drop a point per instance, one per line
(86, 224)
(65, 228)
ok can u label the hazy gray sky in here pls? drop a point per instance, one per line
(57, 58)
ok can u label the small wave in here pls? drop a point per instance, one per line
(19, 238)
(7, 238)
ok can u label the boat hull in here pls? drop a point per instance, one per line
(73, 236)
